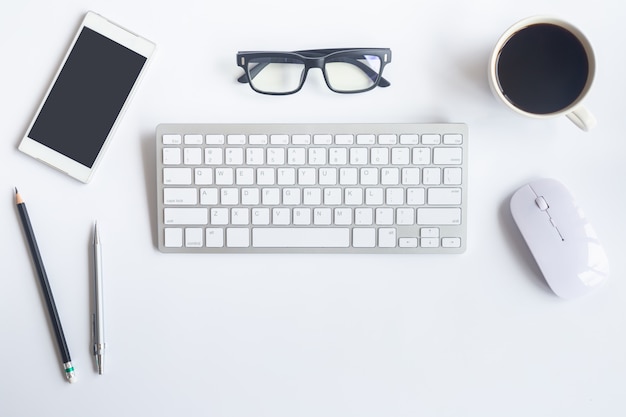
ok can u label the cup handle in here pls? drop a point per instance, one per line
(582, 118)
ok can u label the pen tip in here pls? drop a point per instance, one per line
(100, 363)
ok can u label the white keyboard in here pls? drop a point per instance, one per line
(345, 188)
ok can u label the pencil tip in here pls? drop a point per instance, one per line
(16, 192)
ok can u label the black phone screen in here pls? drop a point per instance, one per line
(87, 97)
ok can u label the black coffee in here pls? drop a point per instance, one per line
(543, 68)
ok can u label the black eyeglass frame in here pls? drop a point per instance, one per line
(316, 58)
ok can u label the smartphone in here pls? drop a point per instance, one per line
(77, 118)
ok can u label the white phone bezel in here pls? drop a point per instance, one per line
(57, 160)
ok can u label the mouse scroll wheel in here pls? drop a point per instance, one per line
(542, 203)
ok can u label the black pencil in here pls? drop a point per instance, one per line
(47, 291)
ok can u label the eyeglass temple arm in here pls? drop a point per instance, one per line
(253, 72)
(367, 70)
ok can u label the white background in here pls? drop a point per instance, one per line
(478, 334)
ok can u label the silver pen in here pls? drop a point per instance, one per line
(98, 303)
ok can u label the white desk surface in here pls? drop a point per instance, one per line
(478, 334)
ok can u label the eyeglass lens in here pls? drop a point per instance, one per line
(349, 72)
(275, 75)
(352, 72)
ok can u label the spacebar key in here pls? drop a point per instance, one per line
(301, 237)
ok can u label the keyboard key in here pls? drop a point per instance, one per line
(328, 176)
(203, 176)
(233, 156)
(296, 156)
(208, 196)
(322, 139)
(374, 196)
(344, 139)
(451, 242)
(301, 237)
(444, 196)
(431, 139)
(384, 216)
(348, 176)
(172, 139)
(214, 139)
(244, 176)
(192, 156)
(214, 237)
(405, 216)
(343, 216)
(240, 216)
(421, 156)
(173, 237)
(415, 196)
(353, 196)
(387, 139)
(276, 156)
(193, 237)
(452, 176)
(364, 216)
(237, 237)
(429, 242)
(219, 216)
(171, 156)
(261, 216)
(431, 176)
(177, 176)
(438, 216)
(229, 196)
(317, 156)
(338, 156)
(224, 176)
(322, 216)
(364, 237)
(302, 216)
(301, 139)
(387, 237)
(312, 196)
(180, 196)
(213, 156)
(380, 156)
(407, 242)
(365, 139)
(257, 139)
(409, 139)
(194, 139)
(410, 176)
(191, 216)
(236, 139)
(429, 232)
(447, 156)
(390, 176)
(400, 156)
(279, 139)
(452, 139)
(271, 196)
(255, 156)
(250, 196)
(358, 156)
(286, 176)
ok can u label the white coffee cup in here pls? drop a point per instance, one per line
(543, 67)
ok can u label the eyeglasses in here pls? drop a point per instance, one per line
(345, 70)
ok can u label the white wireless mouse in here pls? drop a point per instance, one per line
(562, 241)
